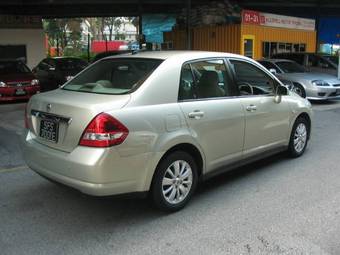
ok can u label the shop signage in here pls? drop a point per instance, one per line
(7, 21)
(273, 20)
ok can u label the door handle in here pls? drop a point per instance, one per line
(251, 108)
(196, 114)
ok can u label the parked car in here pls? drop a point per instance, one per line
(314, 86)
(158, 122)
(54, 72)
(16, 81)
(105, 54)
(313, 62)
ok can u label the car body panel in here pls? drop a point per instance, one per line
(267, 126)
(226, 118)
(78, 108)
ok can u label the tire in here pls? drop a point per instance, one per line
(299, 137)
(298, 89)
(172, 189)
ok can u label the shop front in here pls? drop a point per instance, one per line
(258, 35)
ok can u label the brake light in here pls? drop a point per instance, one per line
(104, 131)
(26, 117)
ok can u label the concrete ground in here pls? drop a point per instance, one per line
(275, 206)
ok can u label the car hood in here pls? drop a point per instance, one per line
(331, 79)
(17, 77)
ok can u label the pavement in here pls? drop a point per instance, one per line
(274, 206)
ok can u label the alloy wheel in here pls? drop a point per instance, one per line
(177, 182)
(300, 137)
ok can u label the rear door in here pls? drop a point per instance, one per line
(267, 122)
(213, 113)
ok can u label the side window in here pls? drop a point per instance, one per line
(269, 66)
(186, 86)
(205, 79)
(251, 80)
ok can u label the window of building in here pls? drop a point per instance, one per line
(272, 48)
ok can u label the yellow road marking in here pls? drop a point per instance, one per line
(18, 168)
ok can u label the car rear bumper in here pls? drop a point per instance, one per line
(11, 93)
(93, 171)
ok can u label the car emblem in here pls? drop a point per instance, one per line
(19, 85)
(48, 107)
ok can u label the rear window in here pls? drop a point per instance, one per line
(114, 76)
(13, 67)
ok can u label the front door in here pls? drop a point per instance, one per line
(267, 122)
(214, 116)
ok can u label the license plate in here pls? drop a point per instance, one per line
(49, 130)
(337, 91)
(20, 92)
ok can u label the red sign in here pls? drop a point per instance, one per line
(251, 17)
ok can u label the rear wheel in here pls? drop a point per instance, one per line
(174, 181)
(299, 137)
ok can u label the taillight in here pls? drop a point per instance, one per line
(104, 131)
(26, 117)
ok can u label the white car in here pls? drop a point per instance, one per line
(159, 122)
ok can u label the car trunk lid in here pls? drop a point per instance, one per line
(58, 118)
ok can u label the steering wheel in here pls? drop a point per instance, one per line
(247, 87)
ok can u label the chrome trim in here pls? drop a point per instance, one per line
(45, 115)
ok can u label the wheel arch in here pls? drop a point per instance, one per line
(189, 148)
(305, 116)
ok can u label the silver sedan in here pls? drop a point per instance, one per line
(159, 122)
(314, 86)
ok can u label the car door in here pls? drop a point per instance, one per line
(267, 122)
(213, 114)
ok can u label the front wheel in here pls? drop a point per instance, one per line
(174, 181)
(299, 137)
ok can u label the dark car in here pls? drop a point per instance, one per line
(109, 53)
(54, 72)
(312, 61)
(16, 81)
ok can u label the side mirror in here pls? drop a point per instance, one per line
(280, 91)
(273, 71)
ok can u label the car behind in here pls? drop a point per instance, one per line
(310, 85)
(17, 82)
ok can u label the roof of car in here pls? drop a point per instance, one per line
(172, 53)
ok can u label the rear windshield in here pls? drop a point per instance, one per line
(13, 67)
(114, 76)
(71, 64)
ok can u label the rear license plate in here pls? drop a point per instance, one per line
(49, 130)
(20, 92)
(337, 91)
